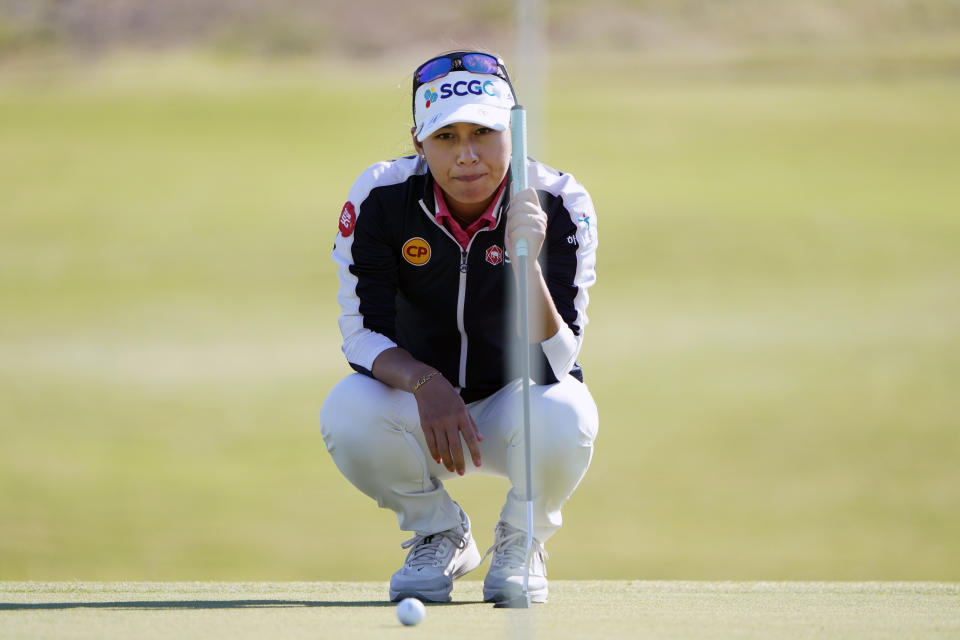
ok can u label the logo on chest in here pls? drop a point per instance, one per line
(494, 255)
(416, 251)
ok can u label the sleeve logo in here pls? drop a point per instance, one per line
(416, 251)
(348, 219)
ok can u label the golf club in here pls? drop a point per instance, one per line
(518, 165)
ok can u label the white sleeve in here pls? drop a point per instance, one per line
(561, 350)
(574, 271)
(361, 345)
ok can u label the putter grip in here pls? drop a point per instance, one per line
(518, 160)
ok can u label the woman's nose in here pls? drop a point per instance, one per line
(467, 154)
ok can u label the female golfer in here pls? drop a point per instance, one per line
(427, 298)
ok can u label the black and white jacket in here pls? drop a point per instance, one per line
(405, 281)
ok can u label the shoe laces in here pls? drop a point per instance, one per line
(427, 548)
(510, 547)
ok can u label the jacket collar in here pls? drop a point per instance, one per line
(431, 202)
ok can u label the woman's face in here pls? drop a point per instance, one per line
(468, 161)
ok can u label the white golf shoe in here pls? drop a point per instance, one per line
(434, 562)
(504, 579)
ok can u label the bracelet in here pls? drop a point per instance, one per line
(424, 380)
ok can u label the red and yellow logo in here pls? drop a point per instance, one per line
(416, 251)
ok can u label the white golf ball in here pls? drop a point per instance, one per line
(411, 611)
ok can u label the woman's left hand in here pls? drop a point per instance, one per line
(525, 219)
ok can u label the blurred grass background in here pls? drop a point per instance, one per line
(775, 334)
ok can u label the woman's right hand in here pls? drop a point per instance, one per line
(443, 417)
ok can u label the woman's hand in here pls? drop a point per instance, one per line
(443, 417)
(525, 219)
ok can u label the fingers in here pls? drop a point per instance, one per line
(452, 456)
(525, 219)
(527, 195)
(451, 453)
(432, 444)
(443, 419)
(456, 454)
(473, 439)
(446, 449)
(525, 212)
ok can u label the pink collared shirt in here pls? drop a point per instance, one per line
(486, 221)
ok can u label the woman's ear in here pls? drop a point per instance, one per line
(416, 143)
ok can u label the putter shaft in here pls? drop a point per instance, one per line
(518, 164)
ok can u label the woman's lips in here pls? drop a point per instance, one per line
(470, 178)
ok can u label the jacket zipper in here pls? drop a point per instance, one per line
(461, 300)
(461, 295)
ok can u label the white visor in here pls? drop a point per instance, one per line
(462, 96)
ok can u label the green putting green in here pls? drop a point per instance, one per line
(577, 609)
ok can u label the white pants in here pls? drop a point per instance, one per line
(373, 433)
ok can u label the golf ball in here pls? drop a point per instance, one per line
(411, 611)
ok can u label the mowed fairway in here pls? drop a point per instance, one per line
(578, 609)
(774, 344)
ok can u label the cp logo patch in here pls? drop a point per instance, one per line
(348, 219)
(494, 255)
(416, 251)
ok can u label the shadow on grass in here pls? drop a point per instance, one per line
(209, 604)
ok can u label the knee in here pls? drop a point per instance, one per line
(354, 406)
(563, 434)
(365, 426)
(568, 416)
(562, 449)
